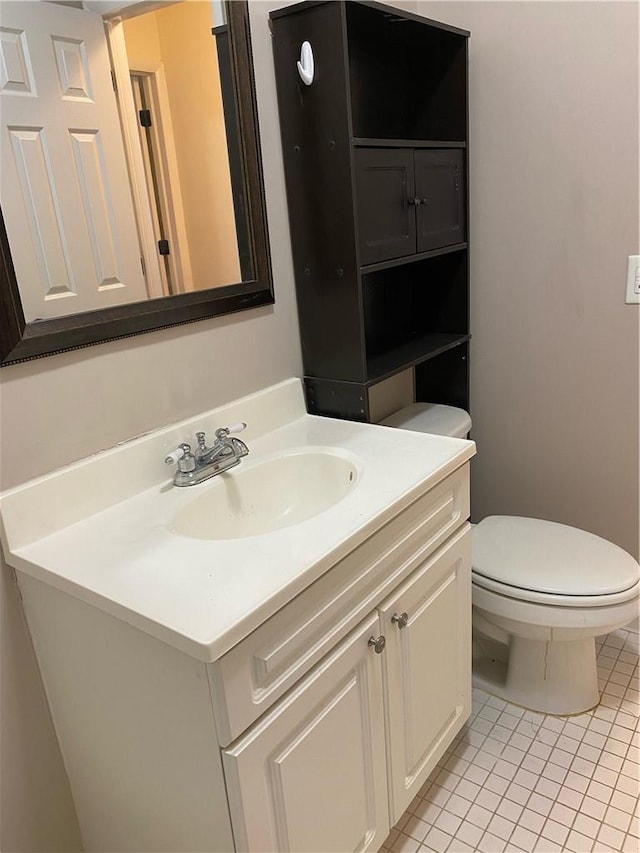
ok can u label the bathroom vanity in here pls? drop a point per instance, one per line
(272, 660)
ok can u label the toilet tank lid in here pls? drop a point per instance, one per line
(544, 556)
(434, 418)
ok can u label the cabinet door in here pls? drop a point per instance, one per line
(311, 775)
(427, 666)
(439, 177)
(385, 196)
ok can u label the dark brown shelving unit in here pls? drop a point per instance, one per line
(376, 165)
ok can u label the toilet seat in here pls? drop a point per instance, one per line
(536, 597)
(548, 563)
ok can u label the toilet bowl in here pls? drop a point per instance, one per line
(542, 592)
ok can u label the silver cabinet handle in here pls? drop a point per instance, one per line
(401, 621)
(378, 644)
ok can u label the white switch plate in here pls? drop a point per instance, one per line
(633, 280)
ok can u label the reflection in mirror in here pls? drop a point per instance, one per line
(174, 101)
(74, 138)
(129, 171)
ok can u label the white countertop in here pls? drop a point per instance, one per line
(117, 550)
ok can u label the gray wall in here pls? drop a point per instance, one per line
(554, 215)
(554, 125)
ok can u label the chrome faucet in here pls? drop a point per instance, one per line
(206, 462)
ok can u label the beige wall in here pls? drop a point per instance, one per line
(555, 350)
(179, 39)
(142, 42)
(554, 215)
(193, 83)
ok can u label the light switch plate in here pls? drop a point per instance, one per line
(633, 280)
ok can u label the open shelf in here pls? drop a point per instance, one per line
(407, 80)
(409, 307)
(411, 353)
(444, 379)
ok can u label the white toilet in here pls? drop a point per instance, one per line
(542, 593)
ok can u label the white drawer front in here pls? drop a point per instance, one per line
(250, 677)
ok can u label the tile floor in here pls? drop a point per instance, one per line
(515, 780)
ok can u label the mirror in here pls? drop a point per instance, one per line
(185, 285)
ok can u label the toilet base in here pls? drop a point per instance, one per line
(549, 677)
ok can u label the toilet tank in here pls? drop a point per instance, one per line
(434, 418)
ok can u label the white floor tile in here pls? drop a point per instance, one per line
(539, 804)
(532, 821)
(524, 839)
(609, 836)
(576, 782)
(593, 808)
(555, 831)
(437, 840)
(495, 783)
(416, 828)
(479, 816)
(517, 781)
(578, 843)
(624, 802)
(606, 776)
(405, 844)
(618, 819)
(630, 845)
(449, 823)
(488, 800)
(587, 826)
(469, 833)
(562, 814)
(510, 810)
(570, 798)
(547, 788)
(518, 793)
(491, 843)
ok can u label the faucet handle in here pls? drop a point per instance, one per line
(223, 432)
(177, 454)
(184, 457)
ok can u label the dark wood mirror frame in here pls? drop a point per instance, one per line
(20, 340)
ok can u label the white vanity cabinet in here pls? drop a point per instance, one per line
(222, 695)
(317, 772)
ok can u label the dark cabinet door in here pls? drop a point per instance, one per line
(439, 183)
(385, 192)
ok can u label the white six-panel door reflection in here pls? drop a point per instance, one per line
(64, 184)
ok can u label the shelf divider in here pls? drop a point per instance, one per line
(374, 142)
(410, 259)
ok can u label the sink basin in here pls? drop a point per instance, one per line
(276, 493)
